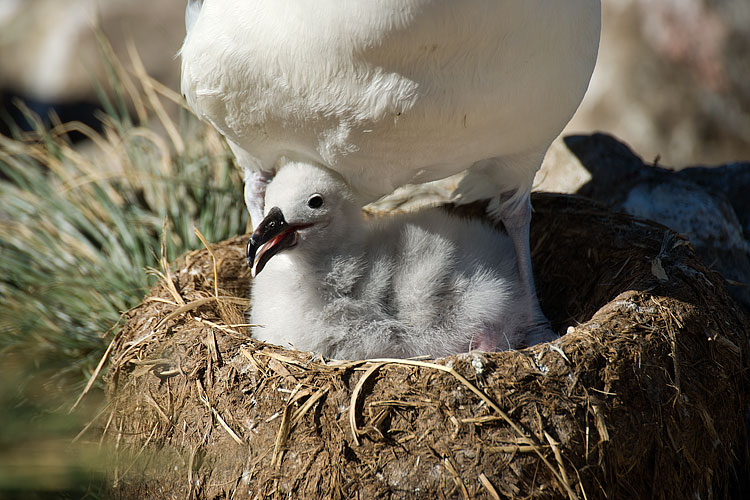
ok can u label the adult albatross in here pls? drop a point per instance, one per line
(391, 92)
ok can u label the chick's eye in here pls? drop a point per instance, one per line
(315, 201)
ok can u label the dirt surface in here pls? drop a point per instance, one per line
(642, 397)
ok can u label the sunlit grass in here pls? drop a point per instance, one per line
(79, 228)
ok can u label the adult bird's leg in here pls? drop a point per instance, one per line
(515, 215)
(513, 209)
(255, 193)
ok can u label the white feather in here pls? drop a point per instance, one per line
(425, 283)
(192, 10)
(389, 92)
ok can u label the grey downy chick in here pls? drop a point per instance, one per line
(330, 280)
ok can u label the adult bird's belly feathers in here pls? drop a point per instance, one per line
(388, 92)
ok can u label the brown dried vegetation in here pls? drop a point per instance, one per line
(643, 397)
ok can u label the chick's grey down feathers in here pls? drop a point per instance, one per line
(424, 283)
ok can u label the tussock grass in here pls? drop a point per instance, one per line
(77, 230)
(80, 233)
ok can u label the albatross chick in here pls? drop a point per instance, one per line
(330, 280)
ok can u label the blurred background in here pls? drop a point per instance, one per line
(83, 208)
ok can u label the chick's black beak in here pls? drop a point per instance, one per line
(271, 236)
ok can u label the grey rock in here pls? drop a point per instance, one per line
(709, 205)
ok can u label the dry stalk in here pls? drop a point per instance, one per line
(213, 260)
(355, 397)
(165, 265)
(456, 477)
(302, 410)
(83, 431)
(224, 328)
(489, 487)
(511, 448)
(204, 399)
(156, 105)
(281, 437)
(558, 457)
(95, 374)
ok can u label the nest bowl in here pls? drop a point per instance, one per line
(642, 397)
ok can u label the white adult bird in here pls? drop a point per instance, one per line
(390, 92)
(331, 281)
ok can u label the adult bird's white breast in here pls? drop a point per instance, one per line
(389, 92)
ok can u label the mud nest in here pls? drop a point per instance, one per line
(642, 397)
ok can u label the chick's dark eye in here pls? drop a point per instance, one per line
(315, 201)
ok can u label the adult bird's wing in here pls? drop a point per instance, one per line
(191, 13)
